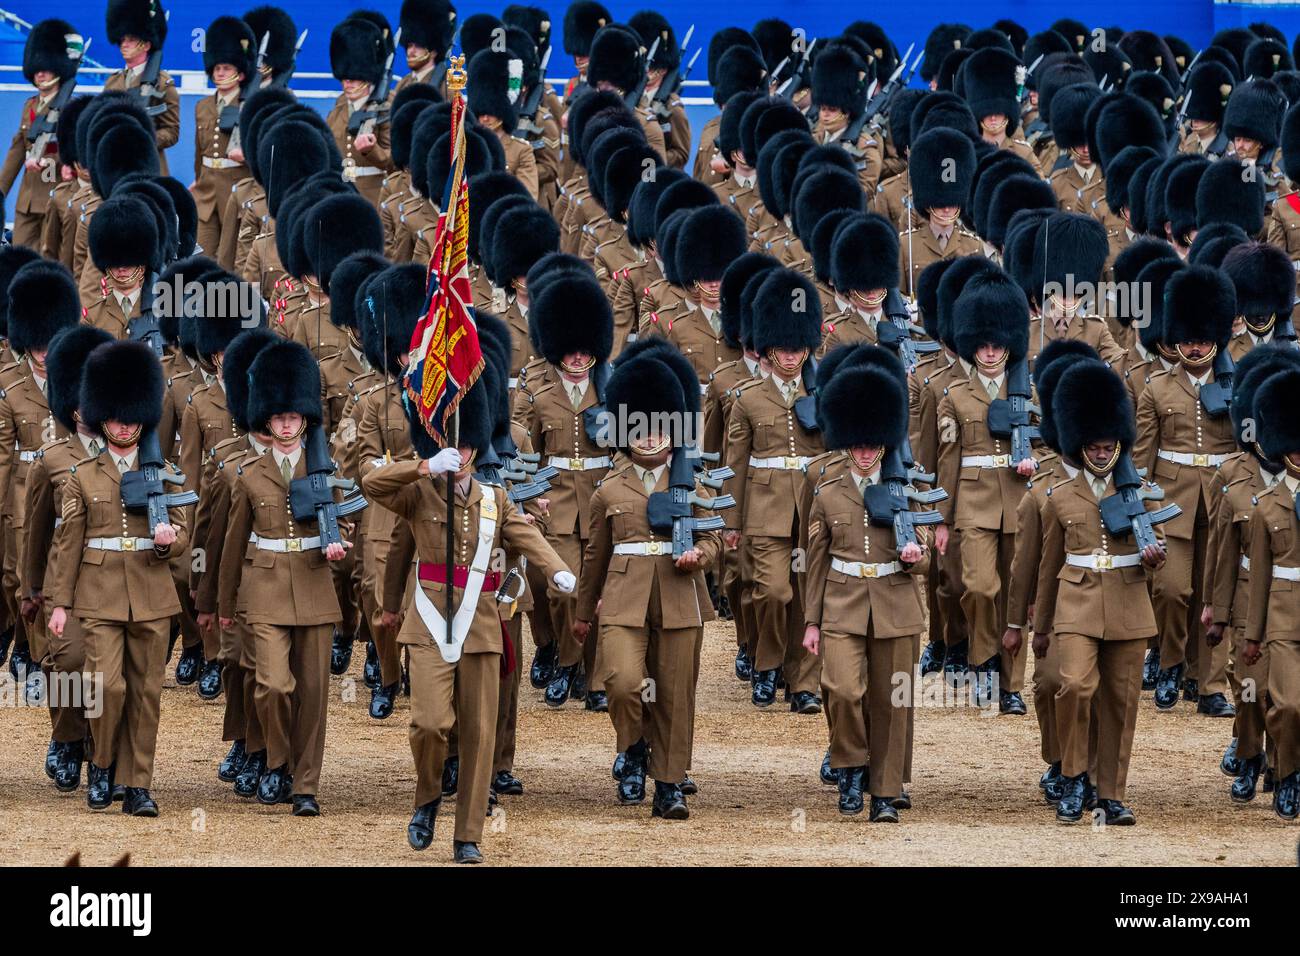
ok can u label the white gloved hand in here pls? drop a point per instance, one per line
(446, 460)
(565, 582)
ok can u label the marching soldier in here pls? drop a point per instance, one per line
(1264, 280)
(893, 197)
(1209, 86)
(456, 676)
(670, 112)
(985, 485)
(582, 21)
(575, 334)
(59, 231)
(735, 66)
(768, 449)
(51, 57)
(1184, 436)
(494, 101)
(111, 570)
(427, 28)
(654, 604)
(839, 81)
(358, 50)
(941, 164)
(124, 246)
(40, 306)
(738, 190)
(229, 58)
(864, 267)
(65, 654)
(1270, 624)
(858, 618)
(245, 762)
(1243, 478)
(993, 93)
(282, 578)
(1076, 178)
(409, 103)
(1092, 599)
(138, 28)
(615, 65)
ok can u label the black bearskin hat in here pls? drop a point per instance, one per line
(239, 356)
(711, 239)
(1275, 404)
(855, 387)
(358, 51)
(494, 85)
(1057, 356)
(230, 40)
(1200, 305)
(1255, 111)
(1180, 197)
(582, 21)
(991, 310)
(571, 314)
(943, 40)
(43, 302)
(1122, 167)
(1070, 248)
(991, 85)
(124, 233)
(1227, 194)
(864, 255)
(1261, 274)
(839, 79)
(346, 279)
(64, 363)
(1255, 368)
(53, 46)
(615, 58)
(523, 235)
(336, 227)
(122, 381)
(143, 19)
(427, 23)
(390, 307)
(734, 282)
(787, 313)
(284, 378)
(1091, 404)
(284, 35)
(933, 156)
(1127, 121)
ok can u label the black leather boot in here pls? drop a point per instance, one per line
(1243, 787)
(744, 666)
(381, 700)
(53, 754)
(850, 790)
(1074, 791)
(139, 802)
(450, 775)
(1286, 798)
(187, 668)
(1168, 682)
(67, 777)
(1151, 669)
(932, 657)
(669, 802)
(341, 652)
(828, 776)
(99, 787)
(232, 763)
(371, 674)
(543, 667)
(250, 774)
(419, 832)
(631, 787)
(764, 682)
(210, 680)
(274, 787)
(882, 810)
(1230, 765)
(561, 685)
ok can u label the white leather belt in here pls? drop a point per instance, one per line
(282, 545)
(1199, 461)
(986, 461)
(1245, 564)
(644, 547)
(788, 463)
(860, 569)
(579, 464)
(512, 383)
(1286, 574)
(217, 162)
(27, 456)
(366, 171)
(120, 544)
(704, 388)
(1103, 562)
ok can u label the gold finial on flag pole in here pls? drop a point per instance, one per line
(456, 75)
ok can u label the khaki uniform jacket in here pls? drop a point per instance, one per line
(380, 156)
(312, 327)
(555, 428)
(735, 196)
(625, 582)
(109, 585)
(1273, 612)
(1226, 580)
(25, 425)
(343, 376)
(702, 169)
(893, 200)
(1282, 229)
(977, 497)
(244, 222)
(167, 124)
(718, 397)
(923, 250)
(521, 347)
(520, 161)
(420, 219)
(34, 191)
(848, 327)
(396, 188)
(105, 312)
(926, 387)
(44, 508)
(205, 423)
(1073, 193)
(1170, 417)
(1107, 605)
(212, 187)
(838, 527)
(60, 226)
(762, 426)
(687, 328)
(212, 518)
(289, 589)
(1023, 584)
(867, 153)
(676, 130)
(1086, 328)
(84, 203)
(423, 503)
(546, 156)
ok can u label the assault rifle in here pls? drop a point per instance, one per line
(877, 107)
(1216, 396)
(633, 97)
(527, 126)
(672, 82)
(312, 497)
(888, 503)
(375, 110)
(229, 116)
(792, 86)
(284, 78)
(1125, 512)
(148, 87)
(144, 490)
(672, 511)
(1009, 417)
(897, 333)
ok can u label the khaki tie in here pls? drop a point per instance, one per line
(791, 390)
(575, 394)
(94, 448)
(123, 466)
(991, 387)
(286, 469)
(1098, 487)
(943, 242)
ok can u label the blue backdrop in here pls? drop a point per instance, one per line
(1194, 20)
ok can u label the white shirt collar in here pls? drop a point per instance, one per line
(1070, 470)
(129, 458)
(281, 458)
(656, 471)
(86, 442)
(986, 381)
(1201, 380)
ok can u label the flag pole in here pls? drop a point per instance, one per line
(455, 86)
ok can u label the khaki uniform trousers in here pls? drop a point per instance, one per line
(125, 661)
(570, 548)
(503, 753)
(63, 661)
(1047, 683)
(27, 225)
(239, 681)
(1249, 688)
(9, 581)
(464, 694)
(649, 675)
(862, 676)
(1282, 660)
(951, 622)
(778, 613)
(985, 569)
(1176, 599)
(1101, 681)
(377, 526)
(292, 698)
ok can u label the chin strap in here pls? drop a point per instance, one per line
(1101, 471)
(1199, 363)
